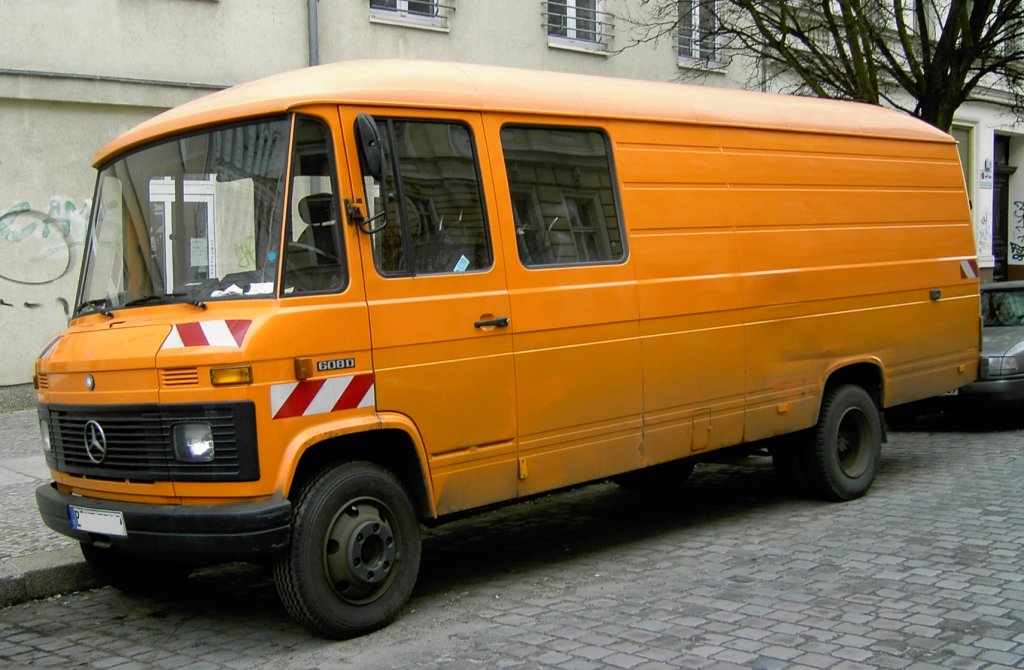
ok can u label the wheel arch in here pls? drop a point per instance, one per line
(866, 374)
(391, 448)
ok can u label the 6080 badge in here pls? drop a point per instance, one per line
(335, 364)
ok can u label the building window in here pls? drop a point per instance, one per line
(962, 135)
(429, 14)
(697, 28)
(578, 24)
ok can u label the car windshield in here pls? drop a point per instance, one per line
(189, 219)
(1003, 308)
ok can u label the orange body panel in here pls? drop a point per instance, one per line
(770, 241)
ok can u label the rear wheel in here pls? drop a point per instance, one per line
(354, 552)
(844, 449)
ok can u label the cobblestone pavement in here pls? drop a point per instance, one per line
(924, 572)
(22, 469)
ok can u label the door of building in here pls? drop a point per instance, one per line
(1004, 215)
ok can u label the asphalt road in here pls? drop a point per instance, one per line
(924, 572)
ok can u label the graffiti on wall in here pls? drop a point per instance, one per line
(41, 247)
(1015, 237)
(40, 252)
(983, 233)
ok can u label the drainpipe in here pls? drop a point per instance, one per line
(314, 34)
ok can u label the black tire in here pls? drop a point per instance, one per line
(354, 553)
(844, 449)
(666, 478)
(134, 574)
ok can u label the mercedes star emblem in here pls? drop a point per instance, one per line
(95, 442)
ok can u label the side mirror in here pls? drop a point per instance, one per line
(371, 149)
(372, 163)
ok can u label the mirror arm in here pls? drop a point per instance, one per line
(355, 216)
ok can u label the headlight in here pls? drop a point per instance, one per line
(44, 431)
(999, 366)
(193, 442)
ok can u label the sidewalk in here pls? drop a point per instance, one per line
(35, 562)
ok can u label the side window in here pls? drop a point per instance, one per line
(313, 259)
(436, 222)
(563, 198)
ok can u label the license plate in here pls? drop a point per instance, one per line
(97, 521)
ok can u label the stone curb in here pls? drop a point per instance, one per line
(45, 574)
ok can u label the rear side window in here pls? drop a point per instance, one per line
(563, 196)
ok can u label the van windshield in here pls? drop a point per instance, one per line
(189, 219)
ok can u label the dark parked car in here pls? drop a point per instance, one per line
(1001, 373)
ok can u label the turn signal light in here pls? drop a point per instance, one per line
(236, 374)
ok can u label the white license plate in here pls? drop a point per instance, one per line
(97, 521)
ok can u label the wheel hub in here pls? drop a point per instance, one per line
(851, 444)
(360, 550)
(371, 551)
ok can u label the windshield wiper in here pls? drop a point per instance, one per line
(102, 303)
(164, 298)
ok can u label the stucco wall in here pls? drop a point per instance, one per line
(45, 195)
(207, 41)
(496, 33)
(73, 75)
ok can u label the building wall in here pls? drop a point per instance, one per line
(983, 122)
(492, 33)
(76, 73)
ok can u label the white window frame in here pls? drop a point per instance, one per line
(596, 41)
(401, 15)
(696, 55)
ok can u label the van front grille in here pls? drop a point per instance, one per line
(139, 444)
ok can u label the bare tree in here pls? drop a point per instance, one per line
(926, 57)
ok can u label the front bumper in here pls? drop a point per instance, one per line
(195, 532)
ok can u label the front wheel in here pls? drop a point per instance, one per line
(354, 552)
(844, 449)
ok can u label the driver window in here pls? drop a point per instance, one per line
(436, 222)
(313, 252)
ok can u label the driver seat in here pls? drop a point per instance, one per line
(316, 211)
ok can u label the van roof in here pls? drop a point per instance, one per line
(445, 85)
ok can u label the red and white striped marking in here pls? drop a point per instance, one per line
(320, 396)
(969, 269)
(214, 333)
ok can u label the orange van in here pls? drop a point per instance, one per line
(319, 309)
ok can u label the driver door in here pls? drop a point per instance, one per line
(438, 304)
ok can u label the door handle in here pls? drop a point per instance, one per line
(499, 322)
